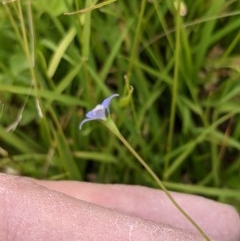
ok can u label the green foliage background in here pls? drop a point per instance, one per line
(182, 117)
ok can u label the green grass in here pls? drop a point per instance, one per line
(182, 117)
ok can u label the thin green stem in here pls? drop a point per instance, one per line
(1, 109)
(175, 84)
(134, 52)
(113, 128)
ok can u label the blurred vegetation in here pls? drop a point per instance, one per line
(182, 117)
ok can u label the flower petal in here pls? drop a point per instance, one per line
(107, 101)
(83, 122)
(97, 113)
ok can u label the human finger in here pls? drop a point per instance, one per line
(29, 211)
(219, 221)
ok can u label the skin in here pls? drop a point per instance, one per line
(66, 210)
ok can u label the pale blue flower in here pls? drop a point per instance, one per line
(99, 112)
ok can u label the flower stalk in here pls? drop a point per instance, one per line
(113, 128)
(101, 112)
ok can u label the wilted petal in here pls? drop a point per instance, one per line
(107, 101)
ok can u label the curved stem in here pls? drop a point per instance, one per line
(113, 128)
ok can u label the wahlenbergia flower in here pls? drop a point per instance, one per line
(99, 112)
